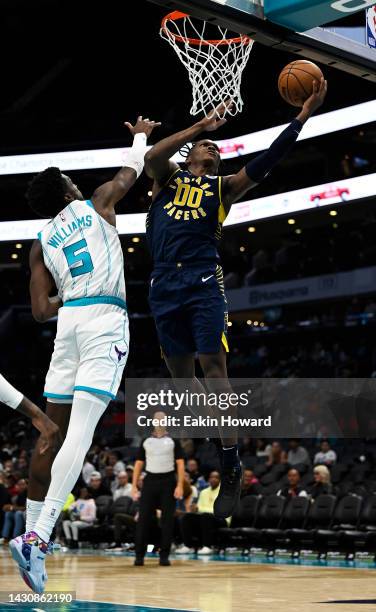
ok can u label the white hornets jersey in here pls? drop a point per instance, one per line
(83, 253)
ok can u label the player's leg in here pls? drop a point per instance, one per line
(214, 367)
(215, 372)
(181, 366)
(97, 334)
(40, 465)
(30, 549)
(59, 393)
(208, 309)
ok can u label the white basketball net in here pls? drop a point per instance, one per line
(214, 67)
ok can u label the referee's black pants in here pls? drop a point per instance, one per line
(157, 493)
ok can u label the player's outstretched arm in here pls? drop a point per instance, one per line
(108, 195)
(14, 399)
(41, 286)
(234, 187)
(158, 164)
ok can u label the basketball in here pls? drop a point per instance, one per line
(296, 80)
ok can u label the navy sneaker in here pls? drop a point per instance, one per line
(229, 492)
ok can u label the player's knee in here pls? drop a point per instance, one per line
(185, 369)
(213, 369)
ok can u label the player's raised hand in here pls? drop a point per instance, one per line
(216, 118)
(142, 126)
(317, 97)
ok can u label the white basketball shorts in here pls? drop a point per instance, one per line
(90, 353)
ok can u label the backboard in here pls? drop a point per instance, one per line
(346, 44)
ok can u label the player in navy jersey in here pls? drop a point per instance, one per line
(183, 229)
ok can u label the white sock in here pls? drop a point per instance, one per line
(87, 409)
(33, 510)
(8, 394)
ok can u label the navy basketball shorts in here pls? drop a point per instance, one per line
(189, 307)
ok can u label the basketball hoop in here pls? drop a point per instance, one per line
(215, 63)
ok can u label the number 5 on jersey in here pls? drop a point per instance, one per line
(79, 261)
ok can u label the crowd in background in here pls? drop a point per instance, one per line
(284, 467)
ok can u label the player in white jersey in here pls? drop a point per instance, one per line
(79, 254)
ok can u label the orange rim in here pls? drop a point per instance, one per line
(175, 15)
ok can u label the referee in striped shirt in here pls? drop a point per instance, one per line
(163, 459)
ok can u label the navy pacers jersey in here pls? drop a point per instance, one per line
(184, 223)
(186, 294)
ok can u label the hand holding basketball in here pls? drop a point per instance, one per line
(317, 97)
(142, 126)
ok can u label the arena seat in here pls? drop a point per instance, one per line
(319, 516)
(345, 517)
(274, 474)
(294, 516)
(364, 537)
(244, 516)
(338, 471)
(268, 516)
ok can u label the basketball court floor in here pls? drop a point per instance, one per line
(110, 583)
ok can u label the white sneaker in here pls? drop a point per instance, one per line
(184, 550)
(29, 552)
(205, 550)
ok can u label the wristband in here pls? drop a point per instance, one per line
(136, 154)
(9, 395)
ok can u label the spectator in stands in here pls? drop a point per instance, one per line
(22, 466)
(190, 495)
(250, 484)
(247, 447)
(130, 469)
(326, 456)
(188, 447)
(82, 514)
(262, 448)
(127, 518)
(297, 454)
(4, 498)
(124, 487)
(116, 460)
(293, 489)
(87, 470)
(96, 486)
(8, 466)
(196, 478)
(109, 478)
(14, 520)
(277, 455)
(207, 457)
(322, 484)
(198, 527)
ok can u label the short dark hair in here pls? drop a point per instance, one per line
(46, 191)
